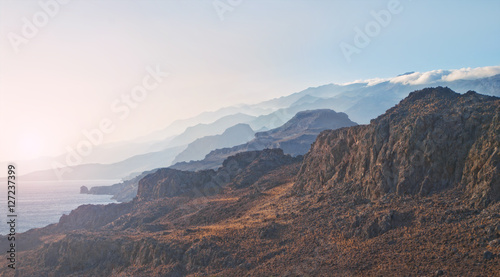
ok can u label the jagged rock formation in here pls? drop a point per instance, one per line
(432, 140)
(294, 137)
(124, 191)
(172, 182)
(84, 190)
(242, 169)
(92, 217)
(393, 215)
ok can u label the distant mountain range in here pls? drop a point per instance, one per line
(361, 101)
(294, 137)
(196, 150)
(203, 130)
(128, 168)
(416, 191)
(433, 140)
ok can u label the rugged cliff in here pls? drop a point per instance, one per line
(124, 191)
(432, 140)
(242, 169)
(392, 198)
(93, 217)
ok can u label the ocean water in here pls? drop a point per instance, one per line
(40, 203)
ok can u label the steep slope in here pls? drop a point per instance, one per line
(433, 140)
(198, 149)
(294, 137)
(264, 213)
(361, 100)
(243, 169)
(124, 191)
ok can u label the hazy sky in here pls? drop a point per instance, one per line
(63, 67)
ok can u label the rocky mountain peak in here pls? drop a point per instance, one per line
(432, 140)
(308, 121)
(424, 162)
(433, 100)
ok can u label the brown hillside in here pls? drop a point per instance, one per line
(415, 193)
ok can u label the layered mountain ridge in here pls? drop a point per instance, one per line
(196, 150)
(432, 140)
(294, 137)
(361, 100)
(415, 192)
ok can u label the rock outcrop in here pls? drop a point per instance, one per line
(240, 170)
(84, 190)
(390, 198)
(124, 191)
(169, 182)
(432, 140)
(92, 217)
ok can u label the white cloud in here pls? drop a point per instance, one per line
(418, 78)
(472, 73)
(429, 77)
(369, 82)
(375, 81)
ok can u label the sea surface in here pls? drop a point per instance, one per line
(40, 203)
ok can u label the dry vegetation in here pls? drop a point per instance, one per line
(288, 224)
(273, 233)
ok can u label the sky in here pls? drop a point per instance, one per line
(129, 68)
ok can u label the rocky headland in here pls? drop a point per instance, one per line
(414, 193)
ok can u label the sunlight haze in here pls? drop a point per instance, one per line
(90, 53)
